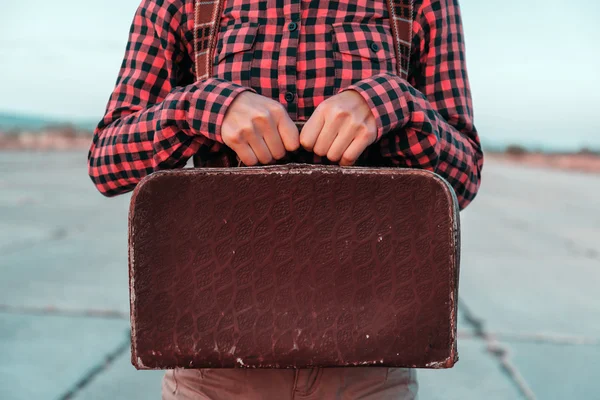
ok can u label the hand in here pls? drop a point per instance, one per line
(341, 128)
(258, 129)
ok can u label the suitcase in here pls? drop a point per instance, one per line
(293, 266)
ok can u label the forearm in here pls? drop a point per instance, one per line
(427, 140)
(412, 133)
(427, 120)
(157, 116)
(132, 142)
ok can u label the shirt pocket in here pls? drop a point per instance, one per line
(235, 52)
(361, 50)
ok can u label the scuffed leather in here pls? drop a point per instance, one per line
(293, 266)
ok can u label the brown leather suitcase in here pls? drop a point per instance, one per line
(293, 266)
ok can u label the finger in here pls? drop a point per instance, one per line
(246, 155)
(311, 130)
(354, 150)
(268, 130)
(326, 136)
(259, 147)
(288, 131)
(341, 143)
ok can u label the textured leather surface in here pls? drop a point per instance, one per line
(293, 266)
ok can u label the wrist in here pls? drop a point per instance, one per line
(210, 104)
(385, 98)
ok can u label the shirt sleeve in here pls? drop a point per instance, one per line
(157, 116)
(427, 121)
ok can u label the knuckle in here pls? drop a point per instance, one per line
(363, 132)
(246, 132)
(233, 137)
(324, 107)
(267, 160)
(333, 157)
(250, 162)
(367, 135)
(339, 111)
(319, 151)
(261, 116)
(324, 104)
(275, 108)
(305, 143)
(278, 155)
(357, 127)
(293, 146)
(347, 160)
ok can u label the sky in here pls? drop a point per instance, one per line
(534, 65)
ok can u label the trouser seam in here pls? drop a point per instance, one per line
(176, 383)
(314, 386)
(295, 382)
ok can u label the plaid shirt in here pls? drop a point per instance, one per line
(159, 115)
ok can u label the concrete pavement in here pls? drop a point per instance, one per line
(529, 312)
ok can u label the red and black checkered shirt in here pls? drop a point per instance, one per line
(159, 115)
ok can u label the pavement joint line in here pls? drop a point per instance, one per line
(498, 351)
(98, 369)
(54, 311)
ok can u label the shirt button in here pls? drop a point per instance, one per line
(289, 97)
(292, 26)
(374, 46)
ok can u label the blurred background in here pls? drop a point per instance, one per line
(529, 322)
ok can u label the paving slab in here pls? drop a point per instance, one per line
(558, 372)
(507, 230)
(547, 185)
(53, 205)
(547, 204)
(18, 236)
(531, 252)
(62, 244)
(515, 294)
(78, 272)
(529, 265)
(121, 381)
(486, 232)
(477, 375)
(44, 356)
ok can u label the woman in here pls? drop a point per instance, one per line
(290, 80)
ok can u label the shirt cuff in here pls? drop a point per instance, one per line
(385, 94)
(209, 104)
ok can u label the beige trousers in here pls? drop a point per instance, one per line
(365, 383)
